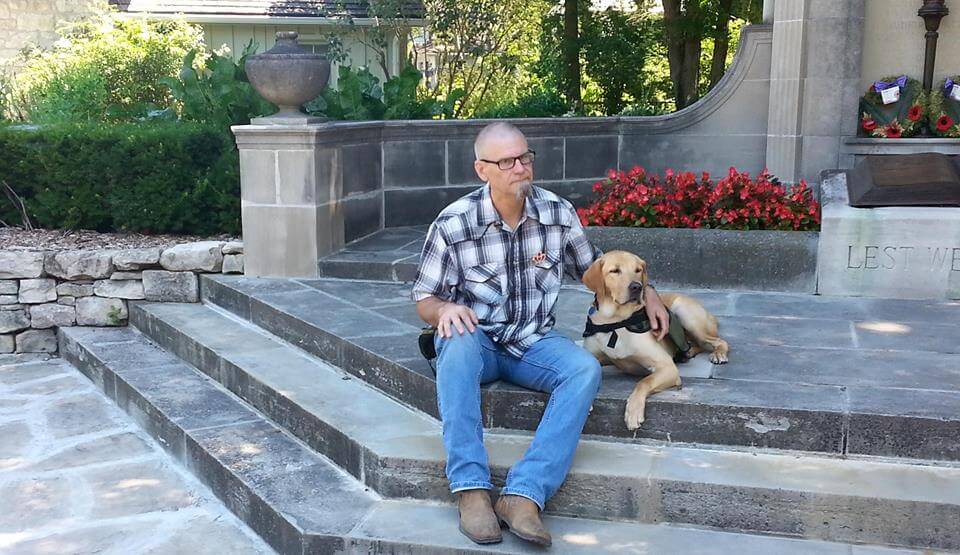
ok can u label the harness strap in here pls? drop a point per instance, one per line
(639, 322)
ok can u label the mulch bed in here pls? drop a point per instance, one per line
(15, 238)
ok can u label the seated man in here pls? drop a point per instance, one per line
(488, 280)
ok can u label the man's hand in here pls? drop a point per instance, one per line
(452, 315)
(659, 317)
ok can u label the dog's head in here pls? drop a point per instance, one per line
(618, 277)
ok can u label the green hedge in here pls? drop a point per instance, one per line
(156, 177)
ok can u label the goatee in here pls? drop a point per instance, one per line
(523, 189)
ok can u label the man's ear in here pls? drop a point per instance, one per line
(481, 170)
(593, 278)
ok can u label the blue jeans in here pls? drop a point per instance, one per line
(555, 365)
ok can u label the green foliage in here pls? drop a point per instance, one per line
(614, 45)
(359, 96)
(539, 102)
(102, 68)
(157, 177)
(216, 90)
(485, 48)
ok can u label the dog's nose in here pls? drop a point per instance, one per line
(635, 286)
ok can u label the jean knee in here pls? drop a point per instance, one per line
(587, 372)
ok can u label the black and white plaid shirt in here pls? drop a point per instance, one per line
(511, 280)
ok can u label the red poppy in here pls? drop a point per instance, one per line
(869, 125)
(915, 112)
(944, 122)
(894, 132)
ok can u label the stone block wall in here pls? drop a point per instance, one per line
(41, 290)
(34, 22)
(309, 189)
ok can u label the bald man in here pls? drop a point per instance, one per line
(488, 280)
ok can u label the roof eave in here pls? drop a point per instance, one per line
(264, 19)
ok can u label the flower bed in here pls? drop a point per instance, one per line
(738, 233)
(682, 199)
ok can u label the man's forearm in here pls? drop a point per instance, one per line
(429, 310)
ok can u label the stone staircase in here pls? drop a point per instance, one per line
(305, 406)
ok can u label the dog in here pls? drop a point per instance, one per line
(619, 278)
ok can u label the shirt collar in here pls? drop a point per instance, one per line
(487, 214)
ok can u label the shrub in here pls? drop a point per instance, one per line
(103, 68)
(160, 178)
(637, 199)
(539, 102)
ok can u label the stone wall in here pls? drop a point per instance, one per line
(41, 290)
(26, 22)
(309, 189)
(894, 43)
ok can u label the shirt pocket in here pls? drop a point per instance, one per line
(547, 272)
(483, 283)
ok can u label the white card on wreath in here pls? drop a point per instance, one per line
(890, 95)
(955, 92)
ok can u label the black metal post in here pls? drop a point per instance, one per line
(932, 12)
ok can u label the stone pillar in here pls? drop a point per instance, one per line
(290, 186)
(814, 85)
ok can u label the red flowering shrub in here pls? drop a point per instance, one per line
(637, 199)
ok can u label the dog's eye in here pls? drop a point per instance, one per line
(638, 270)
(615, 271)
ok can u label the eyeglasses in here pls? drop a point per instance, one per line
(508, 163)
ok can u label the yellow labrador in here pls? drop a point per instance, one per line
(619, 278)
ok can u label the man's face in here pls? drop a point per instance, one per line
(515, 181)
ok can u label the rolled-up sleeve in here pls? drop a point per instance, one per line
(578, 249)
(437, 272)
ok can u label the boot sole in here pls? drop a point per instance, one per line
(481, 541)
(532, 539)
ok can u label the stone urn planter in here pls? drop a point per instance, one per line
(288, 76)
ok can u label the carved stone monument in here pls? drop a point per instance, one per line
(900, 252)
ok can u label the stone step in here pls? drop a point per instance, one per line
(398, 452)
(793, 383)
(301, 503)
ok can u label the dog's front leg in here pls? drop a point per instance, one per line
(664, 376)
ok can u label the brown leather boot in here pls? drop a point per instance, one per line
(477, 520)
(522, 517)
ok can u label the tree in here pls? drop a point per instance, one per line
(615, 47)
(686, 24)
(683, 28)
(570, 47)
(482, 47)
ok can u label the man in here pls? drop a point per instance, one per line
(488, 280)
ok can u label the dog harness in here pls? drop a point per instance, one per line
(639, 322)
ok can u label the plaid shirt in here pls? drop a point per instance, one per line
(511, 279)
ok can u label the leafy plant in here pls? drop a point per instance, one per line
(359, 96)
(216, 90)
(102, 68)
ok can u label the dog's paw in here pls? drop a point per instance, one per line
(633, 416)
(718, 358)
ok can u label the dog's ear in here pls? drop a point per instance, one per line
(593, 278)
(644, 278)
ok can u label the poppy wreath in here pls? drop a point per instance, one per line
(944, 110)
(902, 118)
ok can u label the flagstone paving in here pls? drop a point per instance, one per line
(78, 476)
